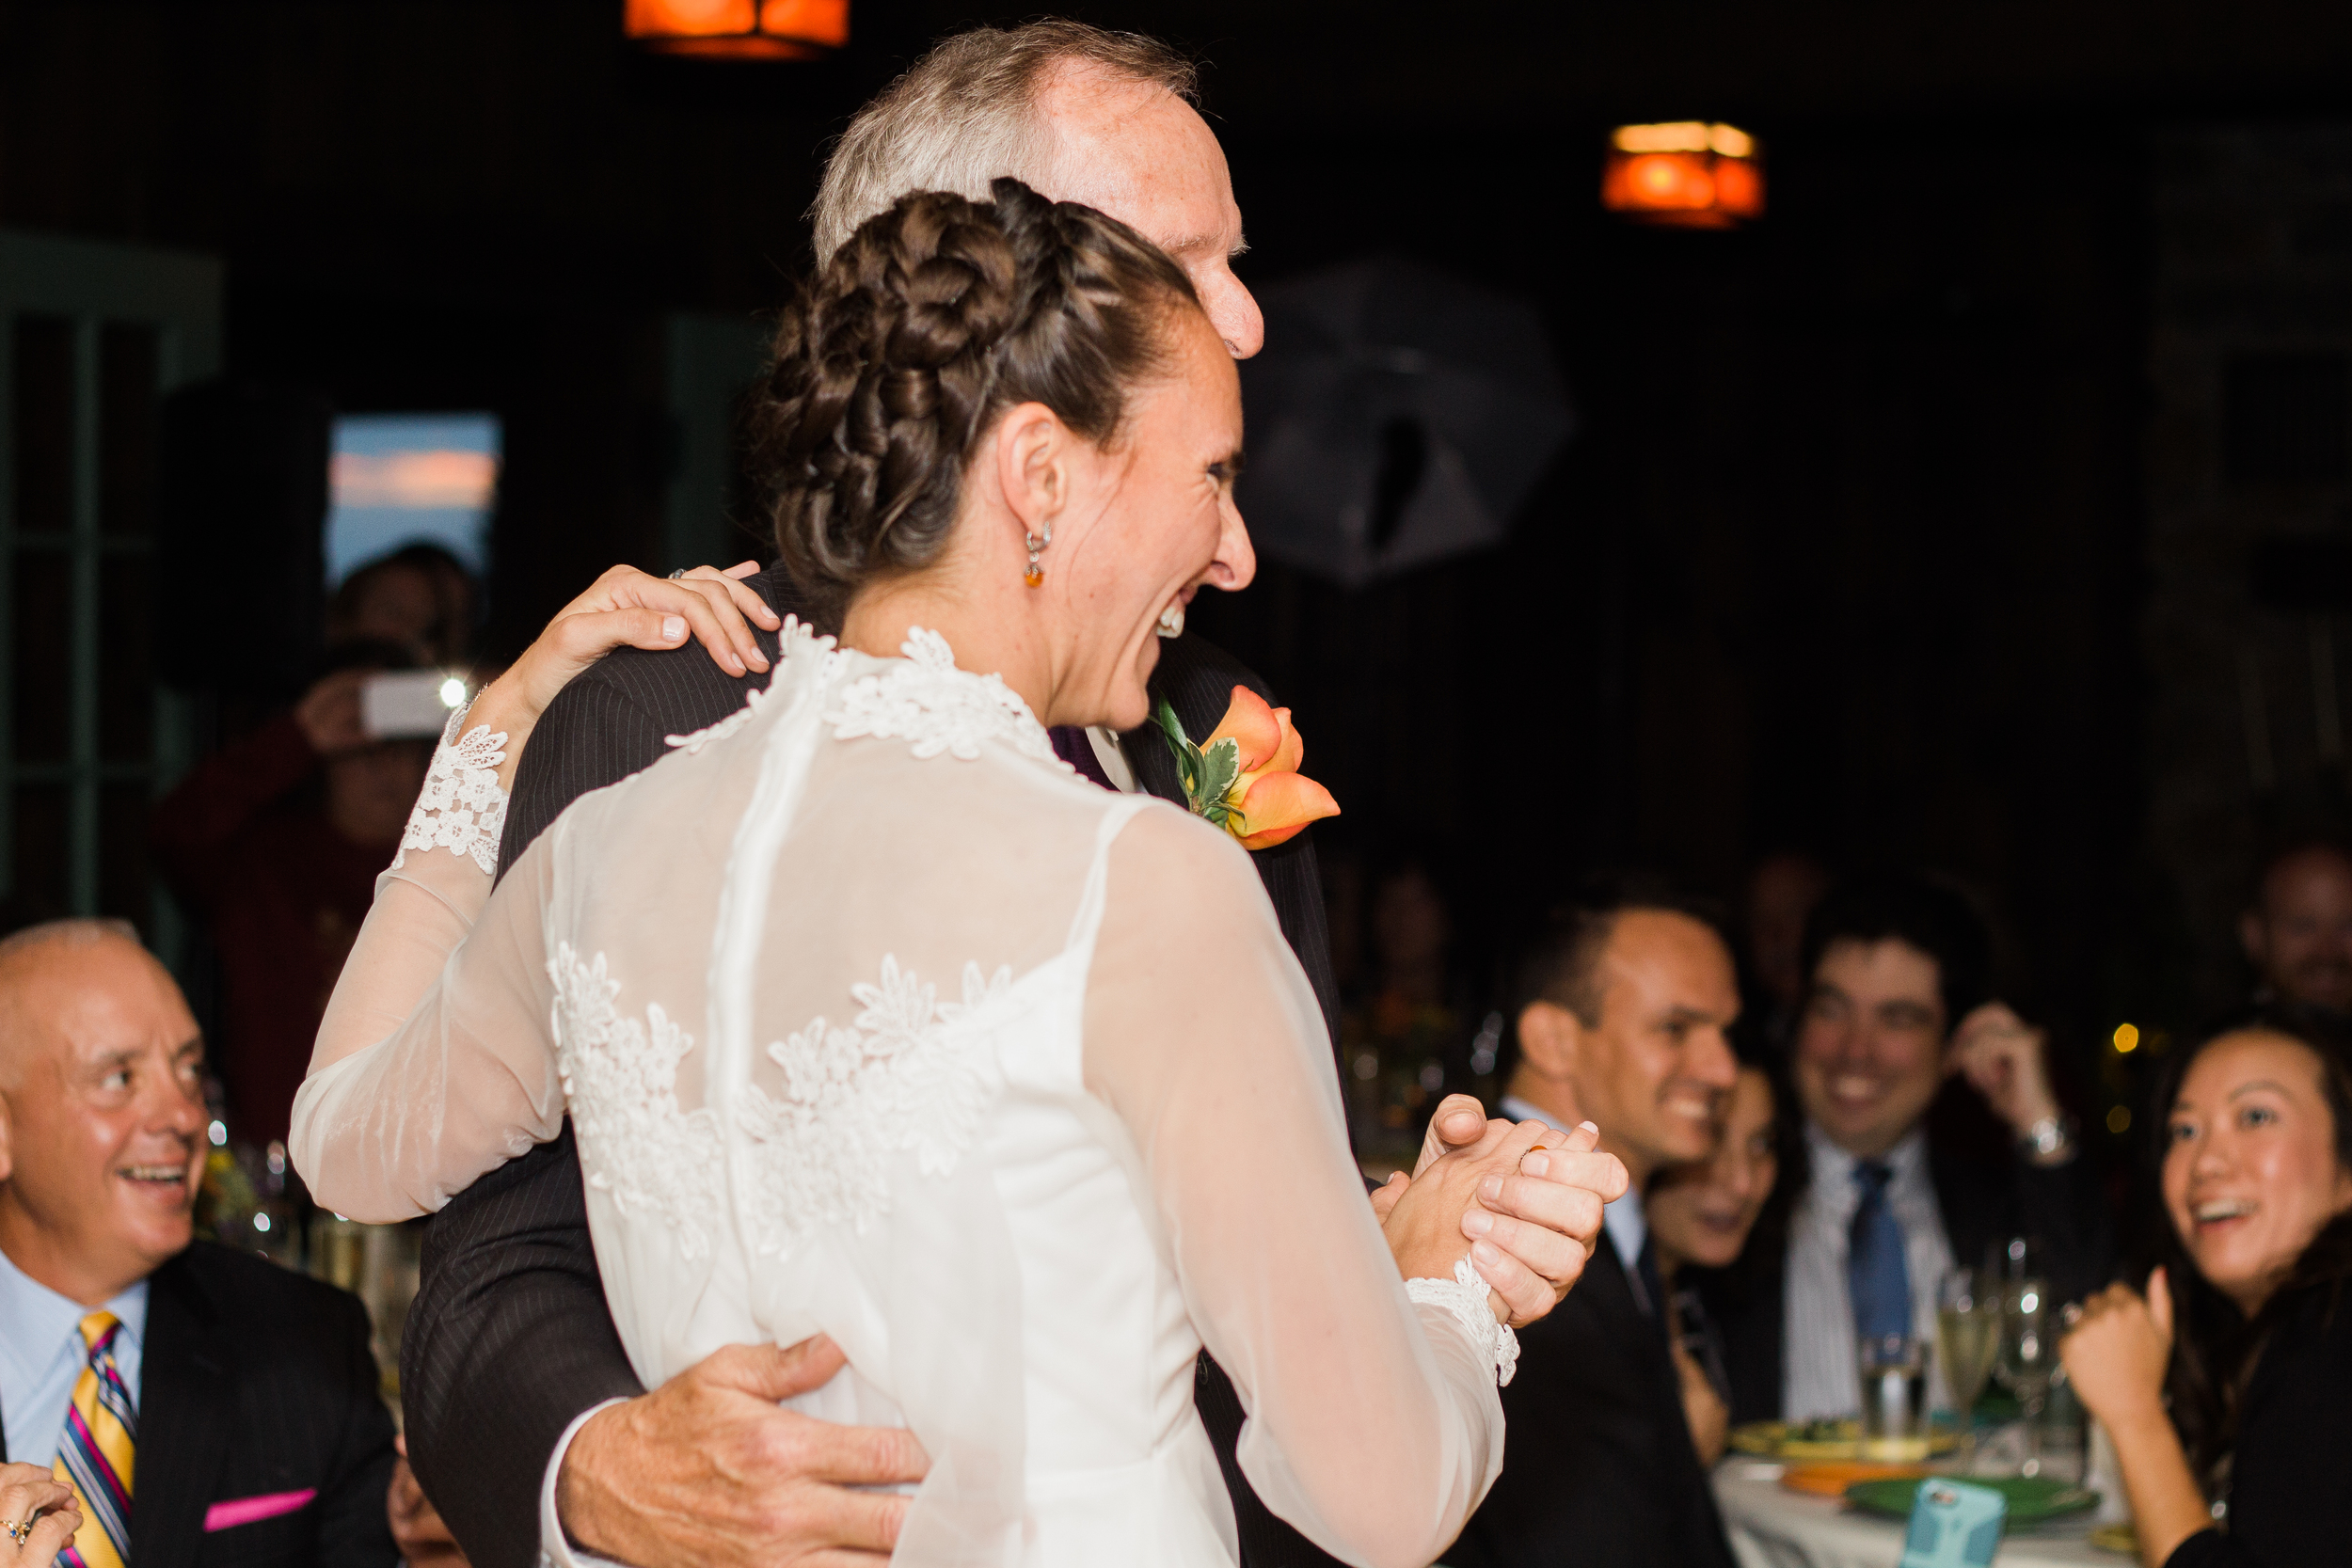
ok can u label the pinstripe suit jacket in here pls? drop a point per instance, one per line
(509, 1339)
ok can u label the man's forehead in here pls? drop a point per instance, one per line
(2314, 875)
(1137, 152)
(91, 1000)
(1670, 954)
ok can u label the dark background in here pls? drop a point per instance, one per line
(1906, 525)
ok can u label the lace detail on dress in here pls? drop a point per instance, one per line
(937, 706)
(855, 1098)
(462, 808)
(696, 740)
(620, 1075)
(1465, 1296)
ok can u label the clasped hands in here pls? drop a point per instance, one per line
(709, 1469)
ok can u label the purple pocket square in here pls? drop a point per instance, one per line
(245, 1510)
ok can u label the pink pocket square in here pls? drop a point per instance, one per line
(245, 1510)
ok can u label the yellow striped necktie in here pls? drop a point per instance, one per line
(94, 1454)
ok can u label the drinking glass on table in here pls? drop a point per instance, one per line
(2028, 1356)
(1967, 1340)
(1893, 1373)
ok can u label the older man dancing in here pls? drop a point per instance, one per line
(529, 1427)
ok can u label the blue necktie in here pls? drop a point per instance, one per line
(1876, 1275)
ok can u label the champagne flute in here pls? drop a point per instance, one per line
(2028, 1356)
(1967, 1340)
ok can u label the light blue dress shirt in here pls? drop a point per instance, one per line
(42, 1354)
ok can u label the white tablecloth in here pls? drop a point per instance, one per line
(1772, 1527)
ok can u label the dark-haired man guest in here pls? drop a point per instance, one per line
(1629, 995)
(1897, 1003)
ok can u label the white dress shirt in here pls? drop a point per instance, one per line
(42, 1354)
(1818, 1333)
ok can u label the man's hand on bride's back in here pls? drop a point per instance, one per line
(1523, 1200)
(707, 1469)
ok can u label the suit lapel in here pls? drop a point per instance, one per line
(1199, 704)
(1154, 763)
(187, 1404)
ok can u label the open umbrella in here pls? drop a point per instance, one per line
(1397, 416)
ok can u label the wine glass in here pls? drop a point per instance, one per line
(2028, 1356)
(1967, 1340)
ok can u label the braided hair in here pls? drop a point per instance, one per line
(935, 317)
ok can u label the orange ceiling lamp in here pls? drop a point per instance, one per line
(740, 30)
(1688, 172)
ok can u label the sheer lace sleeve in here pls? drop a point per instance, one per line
(432, 1064)
(1374, 1425)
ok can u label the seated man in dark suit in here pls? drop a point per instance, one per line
(1899, 1197)
(1629, 994)
(206, 1406)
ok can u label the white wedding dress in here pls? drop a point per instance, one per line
(873, 1018)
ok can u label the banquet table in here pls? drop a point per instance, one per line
(1772, 1527)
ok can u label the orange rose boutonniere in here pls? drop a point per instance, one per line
(1246, 779)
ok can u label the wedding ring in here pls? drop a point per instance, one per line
(19, 1533)
(678, 576)
(2071, 1314)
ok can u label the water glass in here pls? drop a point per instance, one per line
(1893, 1373)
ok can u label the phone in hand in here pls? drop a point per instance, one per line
(404, 704)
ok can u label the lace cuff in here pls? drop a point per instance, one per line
(462, 809)
(1465, 1296)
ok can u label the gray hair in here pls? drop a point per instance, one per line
(966, 113)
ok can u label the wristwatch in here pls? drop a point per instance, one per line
(2049, 1141)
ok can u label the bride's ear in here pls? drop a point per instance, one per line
(1034, 455)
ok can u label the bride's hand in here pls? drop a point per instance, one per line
(626, 607)
(1480, 1192)
(1538, 1223)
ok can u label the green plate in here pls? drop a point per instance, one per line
(2031, 1499)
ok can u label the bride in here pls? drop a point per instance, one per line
(874, 1019)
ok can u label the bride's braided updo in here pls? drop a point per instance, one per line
(933, 319)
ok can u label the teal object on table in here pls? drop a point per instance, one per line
(1953, 1525)
(2029, 1499)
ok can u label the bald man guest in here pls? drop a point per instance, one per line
(207, 1407)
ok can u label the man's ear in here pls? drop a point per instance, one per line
(1549, 1037)
(2254, 937)
(1033, 453)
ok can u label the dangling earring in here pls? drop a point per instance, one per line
(1035, 576)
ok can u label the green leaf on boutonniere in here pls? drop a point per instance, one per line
(1206, 776)
(1221, 765)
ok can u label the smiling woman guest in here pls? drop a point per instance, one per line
(2244, 1330)
(1703, 1217)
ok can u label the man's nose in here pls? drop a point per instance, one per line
(1714, 1065)
(177, 1108)
(1233, 311)
(1235, 555)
